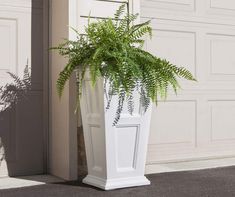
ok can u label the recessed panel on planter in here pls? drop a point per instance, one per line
(126, 146)
(92, 96)
(97, 151)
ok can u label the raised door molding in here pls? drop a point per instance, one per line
(175, 5)
(225, 5)
(100, 9)
(8, 48)
(22, 3)
(17, 3)
(220, 63)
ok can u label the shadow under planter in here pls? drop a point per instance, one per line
(82, 164)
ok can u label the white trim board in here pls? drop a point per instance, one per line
(189, 165)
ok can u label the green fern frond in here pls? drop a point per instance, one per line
(113, 50)
(120, 11)
(64, 77)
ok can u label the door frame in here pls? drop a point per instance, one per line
(62, 140)
(46, 94)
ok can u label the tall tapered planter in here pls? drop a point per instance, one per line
(114, 50)
(116, 155)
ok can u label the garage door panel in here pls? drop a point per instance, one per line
(220, 55)
(222, 116)
(194, 125)
(8, 32)
(177, 5)
(15, 23)
(165, 44)
(174, 123)
(174, 128)
(95, 8)
(222, 6)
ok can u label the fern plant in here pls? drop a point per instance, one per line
(112, 48)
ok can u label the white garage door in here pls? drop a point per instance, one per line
(21, 125)
(198, 124)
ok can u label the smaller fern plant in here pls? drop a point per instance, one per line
(112, 48)
(12, 93)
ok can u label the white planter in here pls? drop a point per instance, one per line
(115, 155)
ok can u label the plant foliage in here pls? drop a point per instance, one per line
(112, 48)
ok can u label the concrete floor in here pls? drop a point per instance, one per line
(218, 182)
(26, 181)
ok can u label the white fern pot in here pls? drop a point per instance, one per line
(116, 155)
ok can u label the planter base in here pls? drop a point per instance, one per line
(115, 183)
